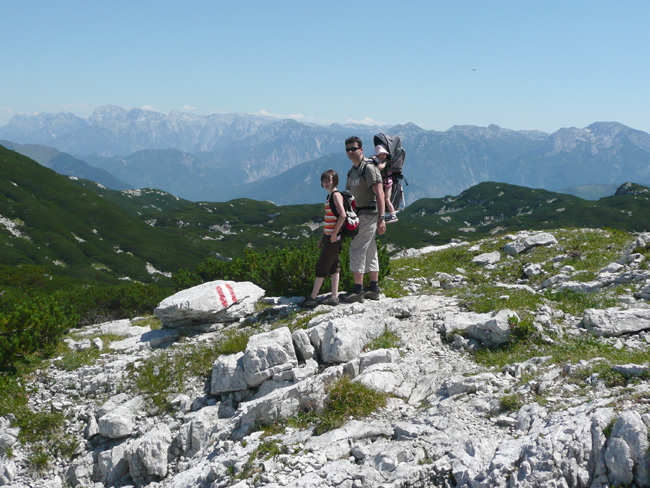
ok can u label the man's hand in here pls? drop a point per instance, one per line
(333, 238)
(381, 227)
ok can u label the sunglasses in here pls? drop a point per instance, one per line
(352, 149)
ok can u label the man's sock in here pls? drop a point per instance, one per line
(356, 289)
(373, 286)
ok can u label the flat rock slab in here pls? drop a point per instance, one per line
(487, 258)
(615, 322)
(216, 301)
(489, 328)
(523, 244)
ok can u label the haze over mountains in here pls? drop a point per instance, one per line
(222, 156)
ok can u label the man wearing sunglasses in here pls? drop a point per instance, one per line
(364, 182)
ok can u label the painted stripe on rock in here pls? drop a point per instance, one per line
(222, 297)
(232, 293)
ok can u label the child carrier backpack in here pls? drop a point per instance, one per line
(395, 165)
(350, 227)
(396, 152)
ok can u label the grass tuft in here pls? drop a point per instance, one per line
(387, 340)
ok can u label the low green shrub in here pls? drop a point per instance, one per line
(511, 403)
(30, 325)
(166, 372)
(287, 271)
(346, 399)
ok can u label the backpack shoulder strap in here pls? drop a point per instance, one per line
(331, 202)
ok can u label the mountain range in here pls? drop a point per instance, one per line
(223, 156)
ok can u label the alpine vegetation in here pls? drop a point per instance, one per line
(519, 359)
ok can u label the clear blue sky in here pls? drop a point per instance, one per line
(518, 64)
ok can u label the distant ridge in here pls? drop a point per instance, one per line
(66, 164)
(223, 156)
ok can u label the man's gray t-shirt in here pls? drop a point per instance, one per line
(360, 183)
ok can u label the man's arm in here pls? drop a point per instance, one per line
(379, 193)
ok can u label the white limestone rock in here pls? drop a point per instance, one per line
(81, 471)
(491, 329)
(148, 455)
(111, 466)
(228, 374)
(377, 356)
(612, 268)
(215, 301)
(303, 346)
(523, 244)
(117, 423)
(615, 322)
(644, 292)
(342, 342)
(642, 241)
(626, 454)
(266, 351)
(487, 258)
(7, 471)
(341, 339)
(533, 269)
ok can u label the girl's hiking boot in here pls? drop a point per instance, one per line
(309, 303)
(332, 301)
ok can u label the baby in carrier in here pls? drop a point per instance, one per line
(381, 154)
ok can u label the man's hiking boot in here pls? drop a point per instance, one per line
(309, 303)
(354, 297)
(332, 301)
(390, 218)
(371, 294)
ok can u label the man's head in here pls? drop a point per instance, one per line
(354, 149)
(329, 179)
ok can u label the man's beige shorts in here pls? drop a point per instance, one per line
(363, 248)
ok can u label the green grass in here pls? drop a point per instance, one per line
(266, 450)
(150, 321)
(485, 298)
(72, 360)
(386, 340)
(42, 432)
(511, 403)
(569, 350)
(576, 303)
(166, 372)
(346, 399)
(605, 372)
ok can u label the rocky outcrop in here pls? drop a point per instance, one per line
(491, 329)
(447, 417)
(525, 243)
(616, 322)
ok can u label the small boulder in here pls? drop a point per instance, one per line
(117, 423)
(615, 322)
(148, 456)
(264, 351)
(491, 329)
(303, 346)
(487, 258)
(228, 374)
(523, 244)
(215, 301)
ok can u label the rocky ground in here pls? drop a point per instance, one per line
(522, 393)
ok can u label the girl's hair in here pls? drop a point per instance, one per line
(330, 174)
